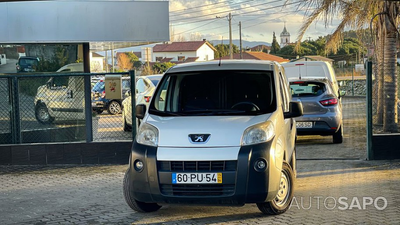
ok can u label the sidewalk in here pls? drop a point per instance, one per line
(327, 191)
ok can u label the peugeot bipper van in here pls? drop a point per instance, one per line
(216, 133)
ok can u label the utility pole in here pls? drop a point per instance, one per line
(240, 39)
(230, 36)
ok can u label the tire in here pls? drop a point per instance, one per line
(114, 108)
(283, 199)
(338, 136)
(42, 114)
(134, 204)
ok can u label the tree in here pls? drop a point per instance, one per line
(357, 14)
(162, 67)
(134, 60)
(223, 50)
(274, 46)
(124, 62)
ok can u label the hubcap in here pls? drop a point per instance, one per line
(43, 114)
(284, 190)
(115, 108)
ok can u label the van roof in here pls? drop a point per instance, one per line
(224, 65)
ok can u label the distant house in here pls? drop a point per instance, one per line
(260, 48)
(257, 56)
(179, 52)
(313, 58)
(96, 62)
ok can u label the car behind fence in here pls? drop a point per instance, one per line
(47, 108)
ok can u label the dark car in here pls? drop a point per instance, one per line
(322, 108)
(27, 64)
(100, 102)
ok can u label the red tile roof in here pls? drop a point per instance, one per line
(181, 46)
(256, 56)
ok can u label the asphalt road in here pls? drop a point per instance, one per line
(9, 67)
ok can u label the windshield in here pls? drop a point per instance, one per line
(215, 93)
(155, 80)
(310, 89)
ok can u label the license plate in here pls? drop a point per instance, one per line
(303, 124)
(197, 178)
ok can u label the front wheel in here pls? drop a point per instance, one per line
(42, 114)
(134, 204)
(283, 198)
(114, 108)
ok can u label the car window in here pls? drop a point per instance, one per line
(27, 62)
(301, 88)
(126, 84)
(60, 81)
(216, 93)
(154, 80)
(284, 93)
(141, 86)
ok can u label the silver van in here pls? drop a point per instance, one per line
(216, 133)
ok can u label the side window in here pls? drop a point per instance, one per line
(284, 92)
(140, 86)
(61, 81)
(160, 99)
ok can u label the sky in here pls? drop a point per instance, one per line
(194, 19)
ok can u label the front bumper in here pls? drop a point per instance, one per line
(241, 183)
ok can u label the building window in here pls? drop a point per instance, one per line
(181, 58)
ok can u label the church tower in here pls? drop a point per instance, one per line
(285, 37)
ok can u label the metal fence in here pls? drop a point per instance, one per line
(45, 108)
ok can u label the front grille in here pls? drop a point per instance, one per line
(197, 189)
(197, 165)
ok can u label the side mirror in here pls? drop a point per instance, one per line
(295, 110)
(140, 111)
(342, 93)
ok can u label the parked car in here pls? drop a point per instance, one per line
(62, 97)
(145, 86)
(218, 134)
(27, 64)
(322, 109)
(72, 67)
(310, 70)
(100, 102)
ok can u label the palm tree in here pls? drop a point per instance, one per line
(356, 14)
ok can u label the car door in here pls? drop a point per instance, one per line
(66, 97)
(289, 129)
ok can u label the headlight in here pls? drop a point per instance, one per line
(147, 135)
(258, 133)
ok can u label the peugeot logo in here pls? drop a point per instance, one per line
(199, 138)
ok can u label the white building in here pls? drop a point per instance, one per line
(188, 51)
